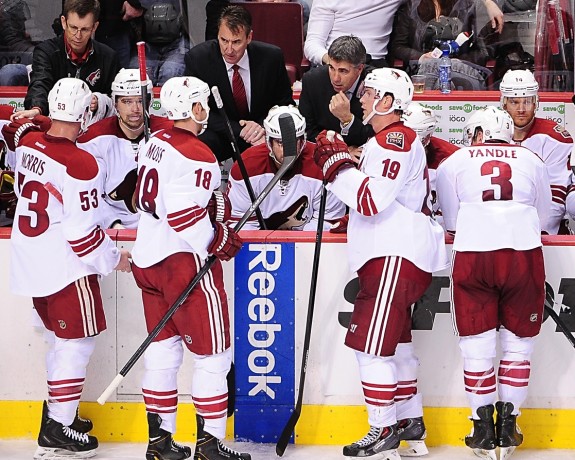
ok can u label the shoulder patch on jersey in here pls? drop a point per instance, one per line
(562, 131)
(395, 138)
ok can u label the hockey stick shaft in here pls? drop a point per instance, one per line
(560, 324)
(289, 158)
(294, 417)
(237, 154)
(144, 87)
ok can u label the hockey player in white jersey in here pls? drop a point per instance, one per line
(549, 140)
(58, 252)
(394, 246)
(114, 141)
(496, 197)
(293, 204)
(182, 221)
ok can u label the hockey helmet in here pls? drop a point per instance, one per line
(179, 94)
(272, 125)
(421, 119)
(69, 100)
(496, 124)
(127, 83)
(518, 83)
(392, 81)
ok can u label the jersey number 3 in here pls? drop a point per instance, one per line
(500, 173)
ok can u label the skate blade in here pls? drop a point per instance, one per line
(484, 453)
(49, 453)
(384, 455)
(415, 448)
(506, 452)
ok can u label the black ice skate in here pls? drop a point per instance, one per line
(508, 433)
(382, 442)
(161, 445)
(83, 425)
(412, 431)
(56, 440)
(482, 437)
(209, 447)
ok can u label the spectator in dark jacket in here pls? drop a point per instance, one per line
(74, 54)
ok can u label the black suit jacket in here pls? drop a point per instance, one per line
(316, 94)
(269, 81)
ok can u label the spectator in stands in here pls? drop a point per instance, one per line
(15, 41)
(250, 75)
(73, 53)
(215, 7)
(293, 204)
(550, 141)
(167, 40)
(329, 98)
(118, 23)
(371, 20)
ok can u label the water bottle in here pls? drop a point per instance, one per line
(445, 72)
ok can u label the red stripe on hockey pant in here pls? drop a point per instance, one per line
(379, 394)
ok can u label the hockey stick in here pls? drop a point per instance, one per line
(290, 154)
(549, 301)
(291, 423)
(144, 87)
(237, 154)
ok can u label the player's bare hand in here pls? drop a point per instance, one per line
(251, 132)
(130, 12)
(339, 107)
(124, 265)
(355, 152)
(495, 14)
(30, 113)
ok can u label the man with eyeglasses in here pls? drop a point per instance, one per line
(114, 141)
(549, 140)
(329, 99)
(74, 54)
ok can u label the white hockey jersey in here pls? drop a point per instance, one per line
(293, 204)
(553, 144)
(56, 238)
(117, 158)
(494, 196)
(177, 174)
(389, 201)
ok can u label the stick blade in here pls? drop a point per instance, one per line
(288, 430)
(289, 140)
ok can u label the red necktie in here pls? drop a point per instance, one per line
(239, 92)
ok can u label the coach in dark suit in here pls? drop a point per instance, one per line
(329, 98)
(264, 81)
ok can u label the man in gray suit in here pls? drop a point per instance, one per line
(250, 75)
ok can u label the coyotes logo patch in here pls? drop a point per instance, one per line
(94, 77)
(395, 138)
(561, 130)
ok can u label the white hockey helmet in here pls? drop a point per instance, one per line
(272, 125)
(179, 94)
(127, 83)
(389, 81)
(421, 119)
(518, 83)
(495, 123)
(69, 100)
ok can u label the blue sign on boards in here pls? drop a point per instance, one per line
(264, 339)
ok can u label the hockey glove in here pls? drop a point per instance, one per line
(17, 129)
(340, 226)
(332, 154)
(226, 243)
(219, 207)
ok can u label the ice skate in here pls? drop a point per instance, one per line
(379, 443)
(482, 437)
(509, 435)
(209, 447)
(412, 431)
(57, 441)
(161, 445)
(83, 425)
